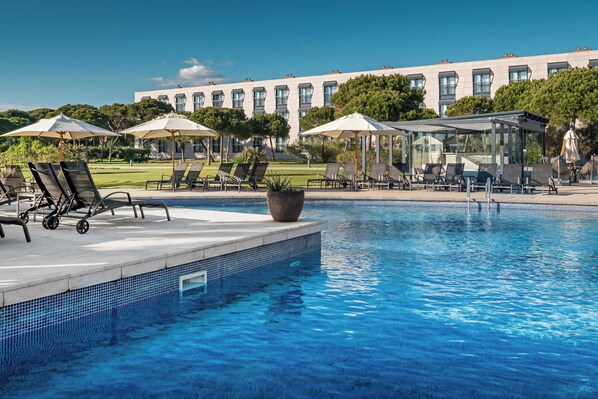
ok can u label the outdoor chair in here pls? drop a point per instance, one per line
(85, 195)
(347, 178)
(8, 220)
(541, 178)
(330, 177)
(377, 177)
(453, 177)
(240, 174)
(256, 176)
(486, 171)
(7, 194)
(192, 179)
(397, 177)
(53, 193)
(173, 180)
(510, 178)
(223, 171)
(428, 176)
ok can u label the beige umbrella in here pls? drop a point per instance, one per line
(353, 126)
(61, 127)
(569, 149)
(170, 125)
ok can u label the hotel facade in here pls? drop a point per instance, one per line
(444, 83)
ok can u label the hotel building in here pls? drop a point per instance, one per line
(444, 83)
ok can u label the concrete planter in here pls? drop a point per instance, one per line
(285, 206)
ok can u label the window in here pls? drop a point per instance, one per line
(448, 84)
(282, 97)
(238, 97)
(302, 113)
(518, 73)
(259, 99)
(416, 81)
(329, 89)
(198, 100)
(284, 114)
(555, 67)
(482, 81)
(163, 146)
(281, 144)
(305, 93)
(443, 106)
(197, 145)
(217, 99)
(145, 98)
(216, 145)
(179, 101)
(591, 64)
(258, 142)
(237, 145)
(164, 99)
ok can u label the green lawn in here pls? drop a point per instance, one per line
(121, 175)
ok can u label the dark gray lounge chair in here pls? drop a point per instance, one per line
(257, 175)
(510, 178)
(428, 176)
(485, 171)
(378, 176)
(240, 174)
(453, 177)
(192, 179)
(173, 180)
(53, 192)
(330, 177)
(221, 175)
(7, 220)
(85, 195)
(347, 178)
(541, 178)
(397, 177)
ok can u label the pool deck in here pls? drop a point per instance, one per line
(121, 246)
(582, 194)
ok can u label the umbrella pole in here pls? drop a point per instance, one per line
(355, 164)
(61, 147)
(172, 156)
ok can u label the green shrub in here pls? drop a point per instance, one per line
(252, 155)
(136, 154)
(276, 182)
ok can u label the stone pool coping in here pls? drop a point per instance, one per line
(62, 260)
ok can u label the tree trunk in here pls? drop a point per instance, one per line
(272, 149)
(209, 156)
(221, 147)
(182, 145)
(112, 142)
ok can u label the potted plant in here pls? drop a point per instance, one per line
(284, 202)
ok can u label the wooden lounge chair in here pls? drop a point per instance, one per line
(241, 173)
(541, 178)
(85, 195)
(453, 177)
(221, 175)
(330, 177)
(173, 180)
(7, 220)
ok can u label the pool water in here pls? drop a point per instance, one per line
(404, 301)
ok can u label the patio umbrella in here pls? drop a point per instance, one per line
(170, 125)
(569, 149)
(352, 126)
(61, 127)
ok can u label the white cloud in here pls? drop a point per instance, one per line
(196, 74)
(228, 63)
(6, 106)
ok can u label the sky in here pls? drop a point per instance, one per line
(101, 52)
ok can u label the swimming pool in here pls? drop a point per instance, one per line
(404, 301)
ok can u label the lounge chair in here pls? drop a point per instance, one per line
(221, 175)
(7, 194)
(256, 176)
(85, 194)
(428, 176)
(485, 171)
(453, 177)
(397, 177)
(45, 176)
(14, 221)
(347, 178)
(236, 179)
(191, 179)
(510, 178)
(377, 177)
(541, 178)
(173, 180)
(330, 177)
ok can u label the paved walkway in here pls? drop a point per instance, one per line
(581, 194)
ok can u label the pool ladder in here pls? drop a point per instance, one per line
(487, 192)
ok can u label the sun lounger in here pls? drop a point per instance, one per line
(330, 177)
(240, 174)
(453, 177)
(376, 178)
(485, 171)
(191, 179)
(256, 176)
(541, 178)
(173, 180)
(221, 175)
(397, 177)
(428, 176)
(45, 176)
(7, 220)
(85, 194)
(510, 178)
(347, 178)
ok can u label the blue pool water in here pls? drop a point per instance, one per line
(404, 301)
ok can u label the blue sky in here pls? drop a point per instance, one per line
(101, 52)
